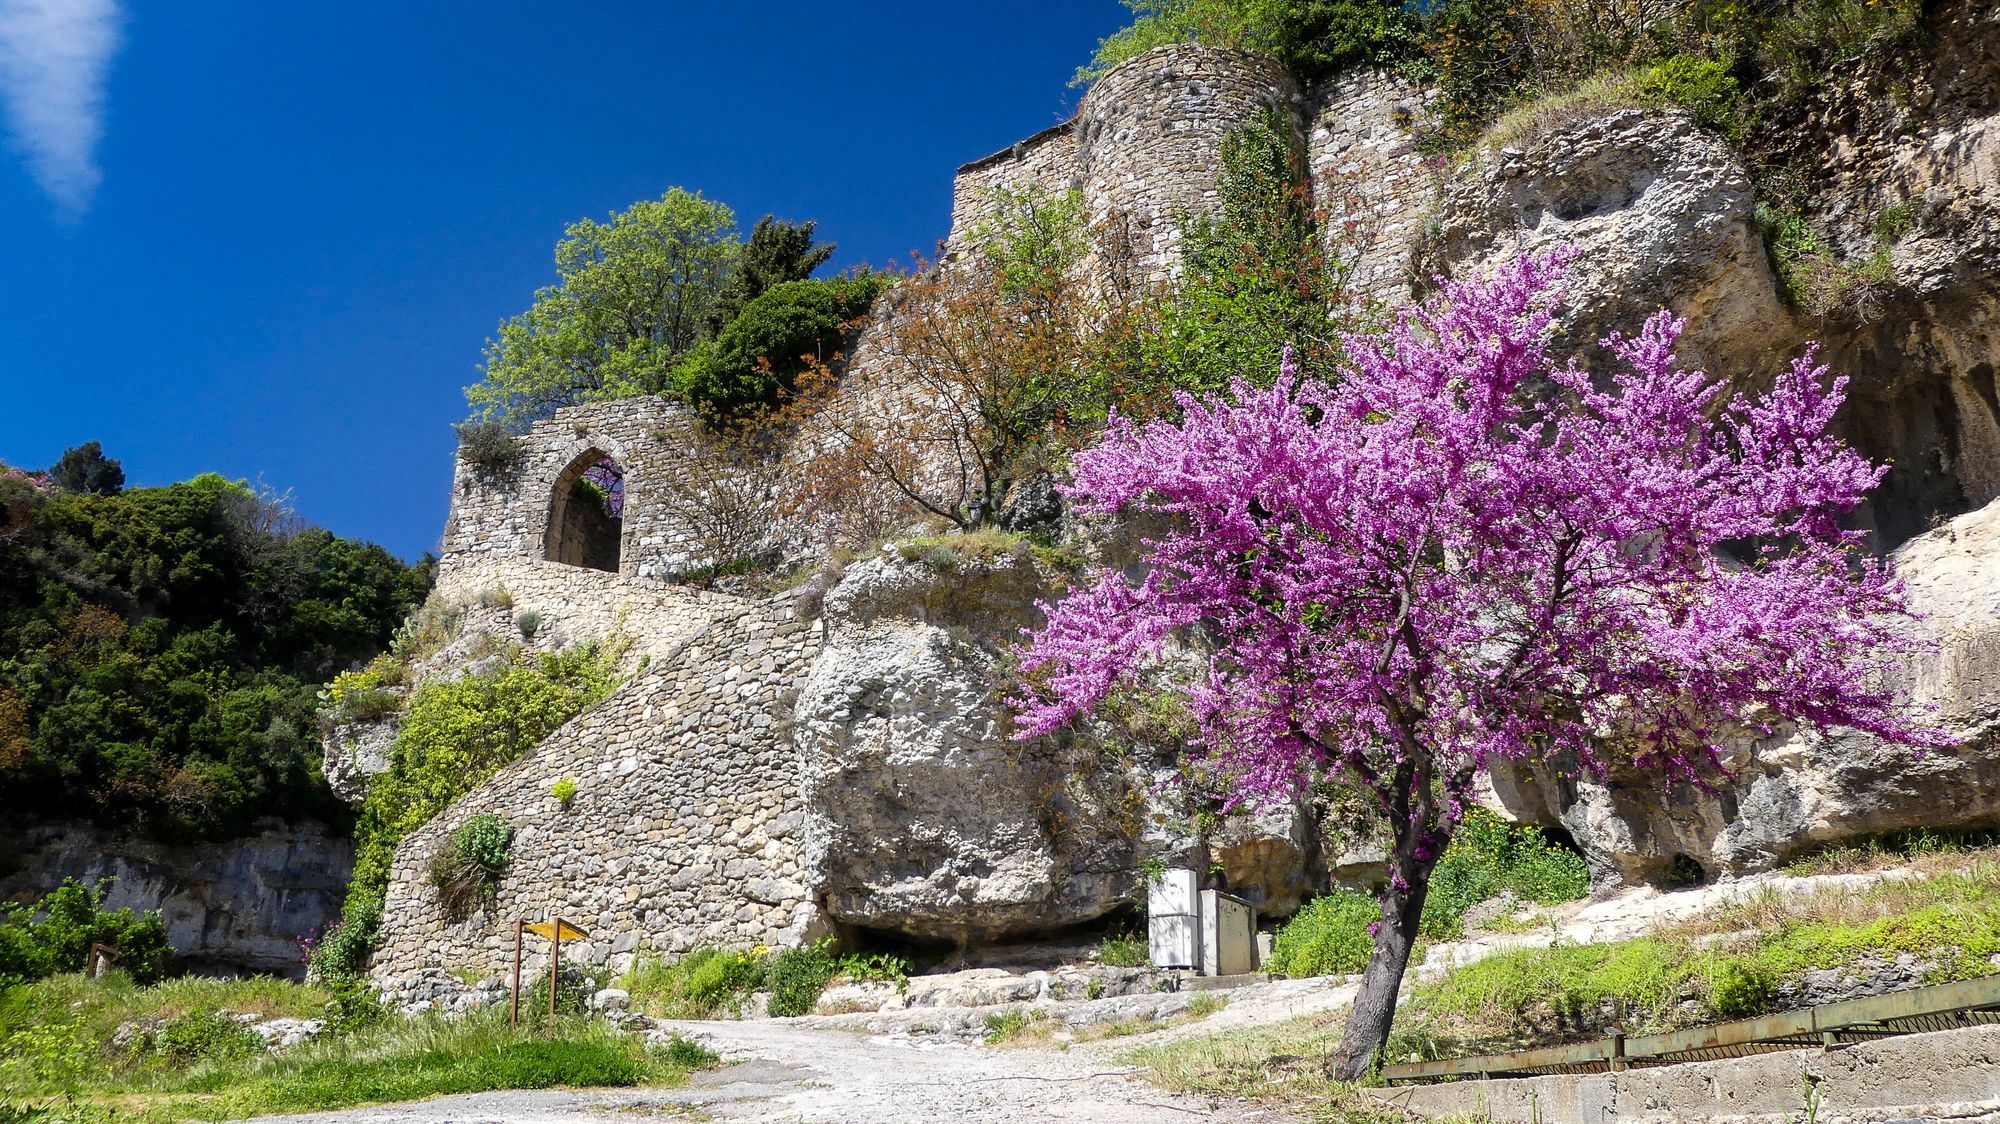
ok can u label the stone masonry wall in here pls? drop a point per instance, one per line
(506, 514)
(1149, 140)
(577, 605)
(684, 831)
(1373, 187)
(1046, 161)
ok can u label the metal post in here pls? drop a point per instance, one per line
(555, 973)
(1618, 1064)
(514, 1016)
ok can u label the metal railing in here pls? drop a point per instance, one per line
(1940, 1007)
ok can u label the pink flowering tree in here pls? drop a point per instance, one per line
(1462, 552)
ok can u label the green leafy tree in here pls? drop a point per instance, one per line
(85, 468)
(632, 296)
(777, 252)
(1313, 38)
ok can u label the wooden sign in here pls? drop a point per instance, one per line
(549, 930)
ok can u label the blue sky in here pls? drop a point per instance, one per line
(268, 239)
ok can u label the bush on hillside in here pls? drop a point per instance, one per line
(55, 934)
(797, 976)
(754, 360)
(1328, 936)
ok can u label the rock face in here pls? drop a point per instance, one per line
(1798, 791)
(235, 905)
(927, 819)
(1660, 212)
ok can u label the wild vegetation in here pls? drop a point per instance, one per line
(665, 298)
(73, 1049)
(160, 648)
(455, 735)
(714, 982)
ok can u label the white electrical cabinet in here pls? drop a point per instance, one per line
(1228, 935)
(1173, 921)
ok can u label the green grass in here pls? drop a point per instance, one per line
(1732, 963)
(705, 983)
(58, 1055)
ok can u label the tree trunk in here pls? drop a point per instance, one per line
(1417, 849)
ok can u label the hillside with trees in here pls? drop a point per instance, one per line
(162, 648)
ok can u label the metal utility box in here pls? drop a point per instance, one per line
(1173, 921)
(1228, 935)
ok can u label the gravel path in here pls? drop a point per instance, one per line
(806, 1075)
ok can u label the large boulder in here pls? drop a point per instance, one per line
(1800, 790)
(927, 818)
(1661, 213)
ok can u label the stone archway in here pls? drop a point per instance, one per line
(587, 513)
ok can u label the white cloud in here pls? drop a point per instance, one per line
(54, 58)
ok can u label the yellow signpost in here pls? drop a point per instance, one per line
(555, 931)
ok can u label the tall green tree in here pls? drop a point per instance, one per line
(632, 296)
(778, 252)
(85, 468)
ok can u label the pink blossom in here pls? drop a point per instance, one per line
(1461, 552)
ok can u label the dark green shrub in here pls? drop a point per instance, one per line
(573, 991)
(354, 1005)
(797, 976)
(55, 934)
(1318, 38)
(343, 949)
(466, 870)
(755, 359)
(488, 446)
(1328, 936)
(1489, 856)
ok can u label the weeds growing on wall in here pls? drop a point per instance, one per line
(465, 872)
(454, 737)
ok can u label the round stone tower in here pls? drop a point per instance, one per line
(1149, 141)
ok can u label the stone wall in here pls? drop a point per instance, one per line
(1045, 161)
(506, 514)
(685, 829)
(236, 904)
(575, 605)
(1373, 187)
(1149, 141)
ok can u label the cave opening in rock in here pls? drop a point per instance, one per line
(587, 513)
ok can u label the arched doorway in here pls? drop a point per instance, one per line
(587, 515)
